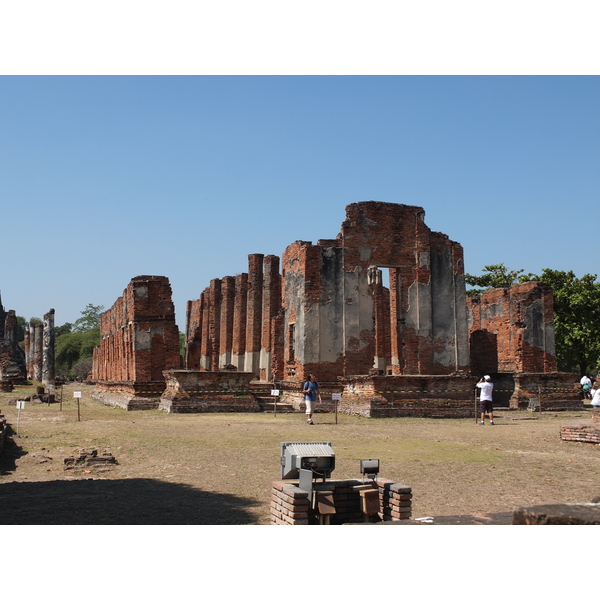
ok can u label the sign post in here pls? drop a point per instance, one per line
(275, 393)
(78, 396)
(20, 406)
(336, 398)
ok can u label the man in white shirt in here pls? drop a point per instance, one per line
(485, 398)
(586, 386)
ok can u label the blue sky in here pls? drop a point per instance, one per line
(106, 178)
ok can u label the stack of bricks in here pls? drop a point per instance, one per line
(292, 506)
(395, 500)
(582, 431)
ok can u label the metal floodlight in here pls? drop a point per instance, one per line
(316, 457)
(369, 467)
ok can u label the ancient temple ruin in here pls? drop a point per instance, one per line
(12, 358)
(139, 340)
(379, 314)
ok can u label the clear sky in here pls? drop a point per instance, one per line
(106, 178)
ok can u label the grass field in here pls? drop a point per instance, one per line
(218, 468)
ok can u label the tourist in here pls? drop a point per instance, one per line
(311, 393)
(596, 395)
(586, 386)
(485, 398)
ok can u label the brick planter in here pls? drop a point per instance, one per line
(292, 506)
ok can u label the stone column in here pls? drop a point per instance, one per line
(214, 324)
(271, 302)
(254, 313)
(239, 321)
(27, 347)
(48, 372)
(37, 351)
(226, 325)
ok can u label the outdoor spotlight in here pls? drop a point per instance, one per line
(369, 467)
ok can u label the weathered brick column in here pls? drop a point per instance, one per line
(254, 314)
(48, 369)
(239, 321)
(214, 323)
(226, 323)
(271, 303)
(38, 333)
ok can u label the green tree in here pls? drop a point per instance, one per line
(90, 318)
(496, 276)
(77, 341)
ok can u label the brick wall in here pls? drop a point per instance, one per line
(139, 340)
(436, 396)
(207, 391)
(512, 330)
(582, 430)
(292, 506)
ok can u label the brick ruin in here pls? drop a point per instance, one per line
(12, 358)
(511, 338)
(378, 314)
(139, 340)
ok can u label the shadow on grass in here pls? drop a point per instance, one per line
(119, 502)
(10, 453)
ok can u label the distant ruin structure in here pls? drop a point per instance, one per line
(139, 340)
(12, 358)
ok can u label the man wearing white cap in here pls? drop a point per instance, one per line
(485, 398)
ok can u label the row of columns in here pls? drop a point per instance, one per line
(39, 350)
(232, 321)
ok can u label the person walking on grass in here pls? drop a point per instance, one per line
(485, 398)
(311, 393)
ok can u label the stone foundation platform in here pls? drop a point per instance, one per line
(555, 391)
(129, 395)
(190, 391)
(443, 396)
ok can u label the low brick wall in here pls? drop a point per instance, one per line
(190, 391)
(582, 431)
(129, 395)
(440, 396)
(556, 391)
(292, 506)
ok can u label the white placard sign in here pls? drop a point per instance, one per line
(76, 394)
(336, 396)
(274, 392)
(49, 386)
(20, 404)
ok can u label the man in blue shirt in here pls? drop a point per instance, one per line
(311, 393)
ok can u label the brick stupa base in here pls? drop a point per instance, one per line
(580, 430)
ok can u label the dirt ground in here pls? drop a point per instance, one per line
(218, 468)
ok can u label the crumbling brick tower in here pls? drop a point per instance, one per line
(139, 340)
(512, 329)
(341, 320)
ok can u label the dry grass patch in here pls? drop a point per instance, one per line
(218, 468)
